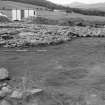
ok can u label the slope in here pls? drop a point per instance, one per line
(98, 6)
(43, 3)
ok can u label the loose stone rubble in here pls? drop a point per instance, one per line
(32, 35)
(25, 35)
(3, 74)
(8, 92)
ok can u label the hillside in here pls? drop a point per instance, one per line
(75, 4)
(43, 3)
(98, 6)
(11, 4)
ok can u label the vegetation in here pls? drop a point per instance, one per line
(43, 3)
(76, 20)
(86, 11)
(41, 20)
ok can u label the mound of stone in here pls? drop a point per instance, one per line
(4, 91)
(3, 74)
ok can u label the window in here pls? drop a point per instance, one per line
(34, 13)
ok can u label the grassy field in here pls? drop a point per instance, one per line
(71, 74)
(63, 18)
(61, 15)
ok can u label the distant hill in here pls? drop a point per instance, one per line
(43, 3)
(76, 4)
(98, 6)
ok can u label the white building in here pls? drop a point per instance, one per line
(18, 14)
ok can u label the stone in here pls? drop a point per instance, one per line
(4, 84)
(5, 91)
(4, 102)
(34, 91)
(17, 94)
(3, 73)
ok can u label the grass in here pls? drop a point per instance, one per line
(51, 17)
(69, 16)
(12, 4)
(60, 15)
(62, 18)
(70, 74)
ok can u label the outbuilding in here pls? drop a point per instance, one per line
(18, 14)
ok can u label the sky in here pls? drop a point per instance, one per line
(70, 1)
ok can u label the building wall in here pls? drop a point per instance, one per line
(22, 14)
(16, 14)
(28, 13)
(31, 13)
